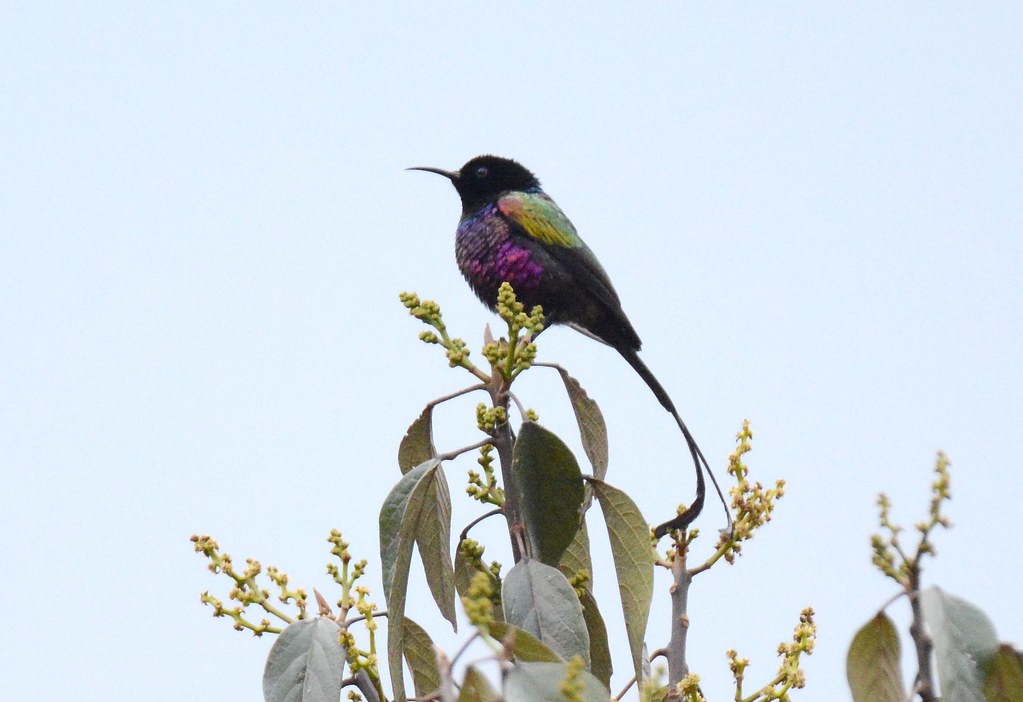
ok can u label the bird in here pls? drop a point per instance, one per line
(511, 231)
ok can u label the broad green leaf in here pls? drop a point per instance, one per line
(550, 485)
(306, 663)
(421, 659)
(433, 538)
(541, 682)
(416, 446)
(391, 515)
(964, 642)
(1004, 679)
(540, 600)
(872, 664)
(577, 555)
(398, 590)
(431, 533)
(524, 645)
(629, 534)
(405, 510)
(600, 651)
(592, 428)
(476, 688)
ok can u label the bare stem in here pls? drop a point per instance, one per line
(465, 532)
(522, 410)
(676, 651)
(355, 620)
(620, 695)
(458, 393)
(364, 682)
(465, 449)
(463, 649)
(503, 439)
(924, 677)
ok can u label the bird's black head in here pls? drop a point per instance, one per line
(484, 178)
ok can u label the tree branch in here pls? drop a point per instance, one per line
(503, 439)
(449, 455)
(457, 393)
(924, 677)
(676, 650)
(465, 532)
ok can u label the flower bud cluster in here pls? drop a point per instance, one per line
(246, 590)
(479, 601)
(887, 553)
(489, 418)
(484, 488)
(751, 501)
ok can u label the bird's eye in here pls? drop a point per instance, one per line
(481, 172)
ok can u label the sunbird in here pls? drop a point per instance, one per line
(512, 231)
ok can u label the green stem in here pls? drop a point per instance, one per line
(509, 361)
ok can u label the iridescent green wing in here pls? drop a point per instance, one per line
(537, 216)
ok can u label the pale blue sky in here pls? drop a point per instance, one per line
(812, 212)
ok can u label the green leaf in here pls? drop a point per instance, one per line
(306, 663)
(550, 485)
(476, 688)
(964, 642)
(417, 445)
(600, 650)
(406, 510)
(592, 428)
(577, 556)
(524, 645)
(872, 664)
(431, 532)
(433, 538)
(633, 555)
(391, 515)
(540, 600)
(1004, 679)
(541, 682)
(421, 659)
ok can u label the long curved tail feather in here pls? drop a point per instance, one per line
(686, 518)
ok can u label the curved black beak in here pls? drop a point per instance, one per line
(450, 175)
